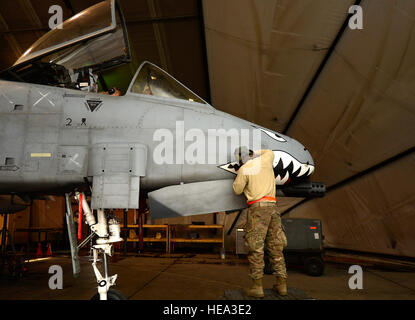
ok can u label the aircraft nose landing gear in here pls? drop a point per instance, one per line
(105, 282)
(107, 232)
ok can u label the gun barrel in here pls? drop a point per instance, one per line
(303, 190)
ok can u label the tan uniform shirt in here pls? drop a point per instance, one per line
(256, 177)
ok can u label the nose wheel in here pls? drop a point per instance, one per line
(112, 294)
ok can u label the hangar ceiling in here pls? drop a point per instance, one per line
(295, 67)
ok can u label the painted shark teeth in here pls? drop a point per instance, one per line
(282, 181)
(311, 170)
(285, 167)
(285, 179)
(229, 167)
(286, 160)
(304, 169)
(296, 165)
(288, 167)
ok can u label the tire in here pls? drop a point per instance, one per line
(111, 295)
(313, 266)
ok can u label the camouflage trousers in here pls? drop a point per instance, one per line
(264, 229)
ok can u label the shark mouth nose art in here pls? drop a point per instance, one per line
(286, 168)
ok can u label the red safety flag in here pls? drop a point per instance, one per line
(80, 217)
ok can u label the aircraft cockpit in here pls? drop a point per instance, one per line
(75, 53)
(151, 80)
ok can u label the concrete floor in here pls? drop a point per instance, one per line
(201, 276)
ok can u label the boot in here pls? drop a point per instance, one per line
(256, 290)
(281, 286)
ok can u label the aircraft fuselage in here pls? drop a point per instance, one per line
(46, 134)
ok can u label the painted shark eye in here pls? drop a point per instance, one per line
(279, 138)
(273, 135)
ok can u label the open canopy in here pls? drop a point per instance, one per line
(94, 38)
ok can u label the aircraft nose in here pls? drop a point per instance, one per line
(307, 156)
(292, 161)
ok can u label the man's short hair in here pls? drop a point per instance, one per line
(243, 154)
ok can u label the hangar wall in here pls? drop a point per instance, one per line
(45, 214)
(347, 95)
(360, 119)
(374, 213)
(361, 109)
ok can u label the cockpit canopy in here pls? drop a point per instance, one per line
(153, 81)
(94, 39)
(73, 54)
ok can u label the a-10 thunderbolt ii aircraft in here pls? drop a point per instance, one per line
(58, 135)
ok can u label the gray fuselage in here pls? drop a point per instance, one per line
(40, 125)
